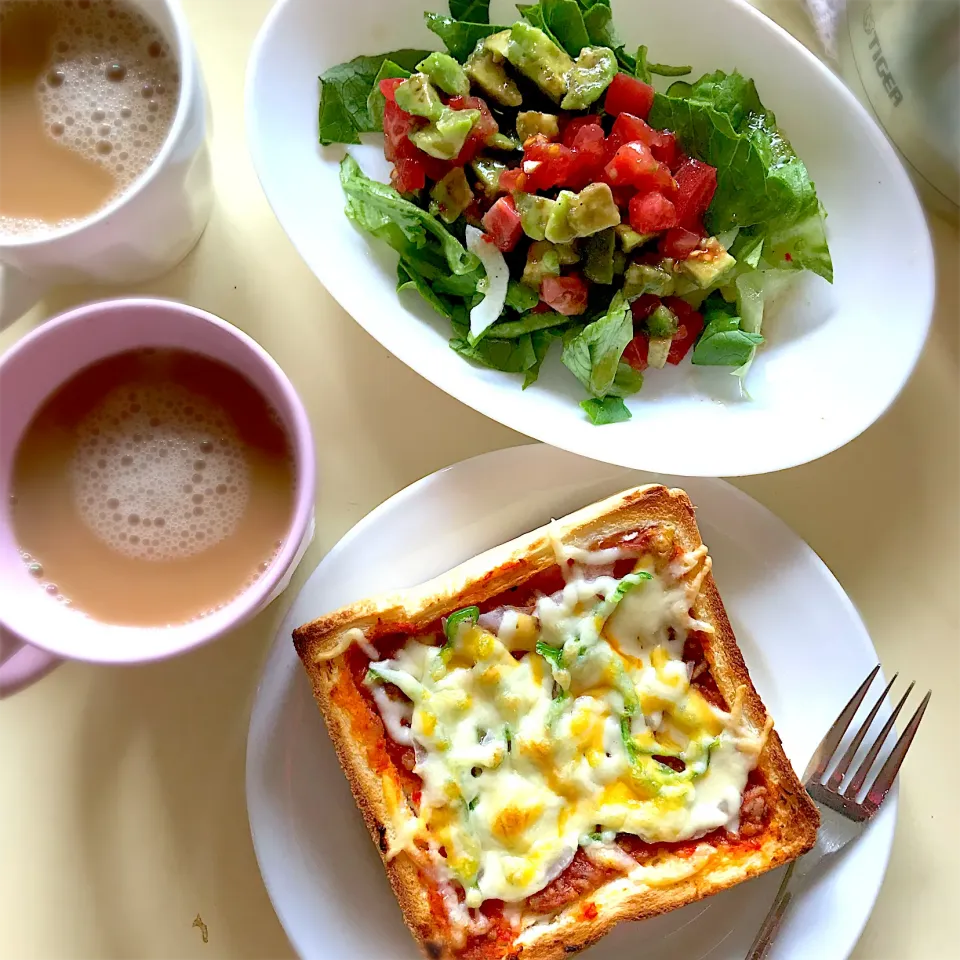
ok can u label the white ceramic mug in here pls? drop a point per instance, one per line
(147, 229)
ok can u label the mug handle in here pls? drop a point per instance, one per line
(18, 293)
(21, 664)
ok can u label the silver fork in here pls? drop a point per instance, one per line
(842, 815)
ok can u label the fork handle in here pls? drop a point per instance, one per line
(771, 924)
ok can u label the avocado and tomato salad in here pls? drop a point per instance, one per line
(543, 189)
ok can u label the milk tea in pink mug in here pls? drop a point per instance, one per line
(157, 481)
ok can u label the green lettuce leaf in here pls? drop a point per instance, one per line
(593, 354)
(606, 410)
(761, 182)
(521, 298)
(509, 356)
(563, 20)
(344, 112)
(378, 208)
(528, 323)
(723, 343)
(408, 278)
(540, 340)
(476, 11)
(459, 36)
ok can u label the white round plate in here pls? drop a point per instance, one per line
(836, 356)
(805, 646)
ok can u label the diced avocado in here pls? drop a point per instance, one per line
(485, 69)
(418, 96)
(539, 59)
(542, 261)
(375, 99)
(643, 278)
(500, 141)
(559, 228)
(532, 122)
(657, 351)
(598, 256)
(619, 262)
(662, 322)
(592, 72)
(445, 73)
(534, 213)
(445, 138)
(567, 252)
(594, 210)
(707, 265)
(452, 194)
(630, 239)
(498, 43)
(488, 174)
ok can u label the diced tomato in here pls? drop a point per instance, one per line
(637, 351)
(678, 243)
(408, 175)
(652, 212)
(513, 180)
(502, 222)
(642, 307)
(626, 94)
(388, 87)
(633, 165)
(541, 307)
(627, 127)
(690, 327)
(546, 164)
(696, 185)
(668, 150)
(567, 295)
(397, 125)
(588, 148)
(571, 129)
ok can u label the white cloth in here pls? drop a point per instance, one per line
(826, 15)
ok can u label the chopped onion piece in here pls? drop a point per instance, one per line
(488, 310)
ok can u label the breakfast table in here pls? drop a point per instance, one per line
(125, 831)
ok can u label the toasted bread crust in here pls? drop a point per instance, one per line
(794, 820)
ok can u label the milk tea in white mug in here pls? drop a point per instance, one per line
(88, 93)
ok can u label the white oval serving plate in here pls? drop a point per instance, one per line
(835, 357)
(804, 644)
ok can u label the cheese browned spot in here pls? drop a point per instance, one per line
(539, 743)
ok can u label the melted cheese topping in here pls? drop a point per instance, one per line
(543, 736)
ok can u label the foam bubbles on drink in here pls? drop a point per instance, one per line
(159, 472)
(105, 55)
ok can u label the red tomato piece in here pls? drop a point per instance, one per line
(690, 327)
(541, 307)
(678, 243)
(546, 164)
(408, 175)
(397, 125)
(572, 128)
(668, 150)
(633, 165)
(652, 212)
(388, 87)
(513, 180)
(696, 185)
(626, 94)
(588, 148)
(502, 222)
(637, 352)
(642, 307)
(627, 127)
(567, 295)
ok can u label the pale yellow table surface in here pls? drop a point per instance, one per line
(122, 811)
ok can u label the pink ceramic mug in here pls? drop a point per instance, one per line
(39, 630)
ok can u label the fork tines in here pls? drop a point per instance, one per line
(845, 800)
